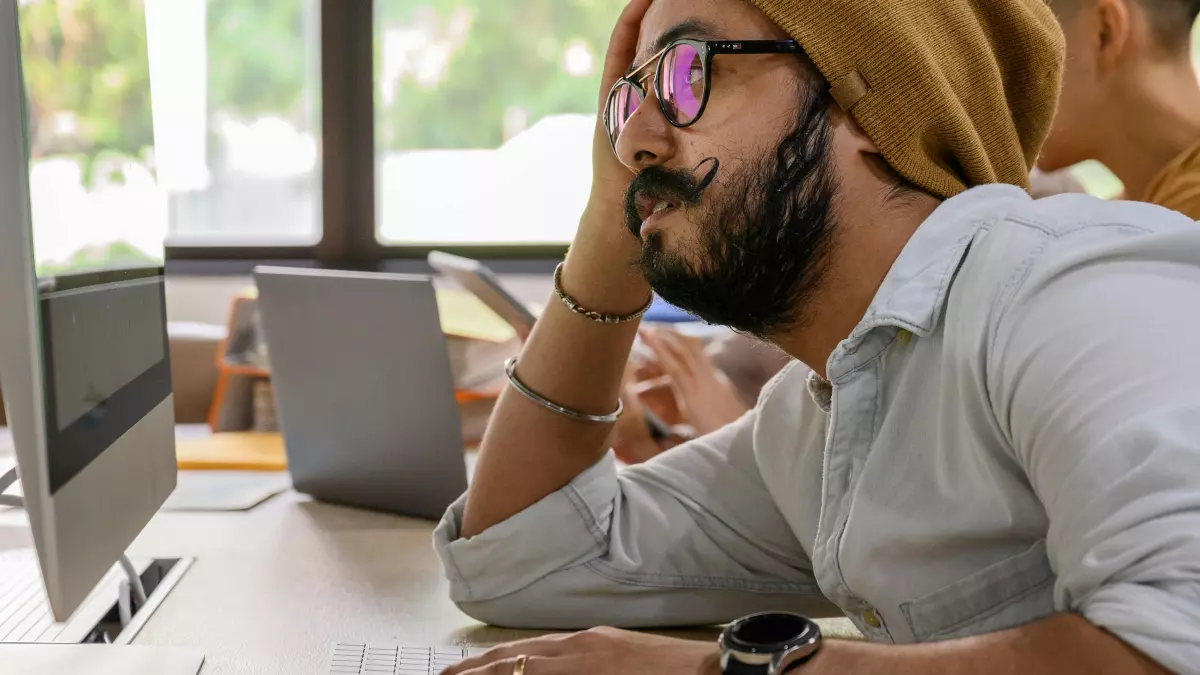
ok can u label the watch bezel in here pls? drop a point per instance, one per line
(782, 655)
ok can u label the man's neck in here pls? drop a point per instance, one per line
(869, 239)
(1154, 123)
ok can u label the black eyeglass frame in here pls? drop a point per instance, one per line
(707, 50)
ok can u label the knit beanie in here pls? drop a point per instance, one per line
(954, 93)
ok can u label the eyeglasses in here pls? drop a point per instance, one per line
(682, 79)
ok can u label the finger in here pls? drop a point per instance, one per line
(631, 426)
(655, 385)
(690, 350)
(650, 370)
(622, 45)
(551, 645)
(534, 665)
(674, 363)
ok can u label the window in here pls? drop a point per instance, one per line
(236, 103)
(485, 111)
(91, 177)
(189, 121)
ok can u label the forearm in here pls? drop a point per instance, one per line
(529, 452)
(1064, 644)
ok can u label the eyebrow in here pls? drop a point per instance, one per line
(692, 28)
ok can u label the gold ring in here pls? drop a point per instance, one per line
(519, 665)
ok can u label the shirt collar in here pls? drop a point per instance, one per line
(913, 294)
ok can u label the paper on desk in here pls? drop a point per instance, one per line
(232, 451)
(465, 315)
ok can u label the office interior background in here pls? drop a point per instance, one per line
(340, 133)
(252, 145)
(350, 134)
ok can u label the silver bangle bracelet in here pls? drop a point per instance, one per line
(510, 369)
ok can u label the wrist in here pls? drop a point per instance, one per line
(600, 270)
(712, 664)
(768, 643)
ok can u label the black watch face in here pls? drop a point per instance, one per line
(772, 642)
(769, 631)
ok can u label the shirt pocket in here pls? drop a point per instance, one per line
(1008, 593)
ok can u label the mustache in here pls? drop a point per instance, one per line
(680, 186)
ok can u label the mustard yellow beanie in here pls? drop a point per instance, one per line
(955, 93)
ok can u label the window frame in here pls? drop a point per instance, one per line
(348, 238)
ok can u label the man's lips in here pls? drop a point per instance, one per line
(661, 210)
(649, 205)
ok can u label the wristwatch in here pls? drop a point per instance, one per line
(771, 643)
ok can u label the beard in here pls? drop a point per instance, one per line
(763, 240)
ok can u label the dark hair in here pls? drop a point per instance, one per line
(1172, 21)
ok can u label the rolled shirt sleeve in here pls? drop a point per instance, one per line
(690, 538)
(1096, 378)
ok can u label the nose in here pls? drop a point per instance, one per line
(648, 139)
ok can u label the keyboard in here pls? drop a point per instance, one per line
(385, 659)
(24, 612)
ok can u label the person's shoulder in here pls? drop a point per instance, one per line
(1075, 231)
(1177, 186)
(1072, 229)
(1020, 252)
(1068, 215)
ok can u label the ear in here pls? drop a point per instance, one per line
(849, 132)
(1113, 20)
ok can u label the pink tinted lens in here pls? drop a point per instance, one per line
(682, 83)
(623, 102)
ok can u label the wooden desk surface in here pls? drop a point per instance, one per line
(273, 588)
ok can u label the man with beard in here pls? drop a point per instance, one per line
(993, 452)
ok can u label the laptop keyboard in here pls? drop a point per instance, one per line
(385, 659)
(24, 612)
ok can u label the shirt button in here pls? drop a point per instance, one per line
(871, 618)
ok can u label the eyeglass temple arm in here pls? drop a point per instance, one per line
(636, 74)
(753, 47)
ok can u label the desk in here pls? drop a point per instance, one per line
(273, 588)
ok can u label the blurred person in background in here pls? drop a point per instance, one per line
(1131, 98)
(693, 385)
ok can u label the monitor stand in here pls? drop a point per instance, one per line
(18, 659)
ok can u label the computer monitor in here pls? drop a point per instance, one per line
(86, 379)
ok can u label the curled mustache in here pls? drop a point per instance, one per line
(678, 185)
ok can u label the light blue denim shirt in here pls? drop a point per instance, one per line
(1012, 430)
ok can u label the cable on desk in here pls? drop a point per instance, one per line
(7, 480)
(130, 586)
(135, 581)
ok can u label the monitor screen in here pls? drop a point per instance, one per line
(99, 220)
(104, 361)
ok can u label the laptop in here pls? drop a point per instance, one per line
(363, 389)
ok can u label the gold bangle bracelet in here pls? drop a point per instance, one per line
(597, 317)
